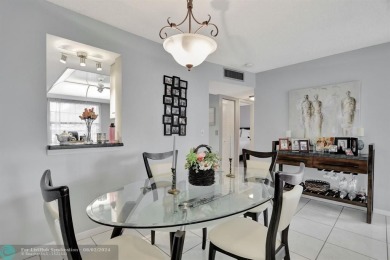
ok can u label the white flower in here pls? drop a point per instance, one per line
(204, 166)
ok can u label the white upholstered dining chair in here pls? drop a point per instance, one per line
(242, 238)
(256, 169)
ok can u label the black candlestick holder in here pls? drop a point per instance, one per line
(230, 175)
(173, 189)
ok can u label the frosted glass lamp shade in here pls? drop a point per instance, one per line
(188, 49)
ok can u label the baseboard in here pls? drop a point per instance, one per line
(382, 212)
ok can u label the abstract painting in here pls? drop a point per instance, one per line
(331, 110)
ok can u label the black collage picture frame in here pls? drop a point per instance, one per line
(175, 106)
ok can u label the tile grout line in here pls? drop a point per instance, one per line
(350, 232)
(302, 207)
(326, 240)
(346, 230)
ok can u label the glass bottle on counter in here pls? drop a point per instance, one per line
(112, 133)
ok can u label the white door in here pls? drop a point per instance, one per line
(228, 130)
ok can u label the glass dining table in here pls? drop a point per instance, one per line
(143, 205)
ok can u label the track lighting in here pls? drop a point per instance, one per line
(82, 56)
(63, 58)
(98, 66)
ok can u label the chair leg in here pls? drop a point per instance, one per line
(212, 251)
(152, 236)
(285, 243)
(116, 232)
(171, 237)
(204, 238)
(265, 215)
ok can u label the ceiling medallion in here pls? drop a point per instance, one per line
(189, 49)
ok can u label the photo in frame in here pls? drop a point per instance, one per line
(183, 102)
(175, 91)
(167, 129)
(342, 143)
(355, 146)
(304, 146)
(284, 144)
(332, 148)
(183, 93)
(183, 111)
(175, 130)
(176, 81)
(168, 90)
(167, 119)
(167, 80)
(175, 111)
(167, 100)
(175, 120)
(175, 101)
(183, 130)
(295, 145)
(182, 120)
(183, 84)
(168, 110)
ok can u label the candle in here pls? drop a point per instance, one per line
(288, 133)
(174, 154)
(231, 144)
(360, 131)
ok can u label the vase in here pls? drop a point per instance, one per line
(88, 123)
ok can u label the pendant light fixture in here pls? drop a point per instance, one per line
(189, 49)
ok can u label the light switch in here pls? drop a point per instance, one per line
(202, 132)
(216, 132)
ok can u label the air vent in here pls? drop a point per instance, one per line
(231, 74)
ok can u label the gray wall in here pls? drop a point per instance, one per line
(245, 116)
(369, 65)
(23, 158)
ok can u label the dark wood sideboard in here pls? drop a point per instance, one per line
(362, 164)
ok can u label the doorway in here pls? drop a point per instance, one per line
(229, 130)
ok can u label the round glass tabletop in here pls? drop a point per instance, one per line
(137, 205)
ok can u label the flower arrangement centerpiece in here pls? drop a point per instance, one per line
(202, 166)
(88, 116)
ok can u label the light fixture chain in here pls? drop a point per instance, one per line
(189, 16)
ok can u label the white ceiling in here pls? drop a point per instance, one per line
(266, 33)
(81, 85)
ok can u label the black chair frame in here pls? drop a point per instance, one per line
(61, 193)
(272, 253)
(162, 156)
(245, 154)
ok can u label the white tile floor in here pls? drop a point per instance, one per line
(319, 230)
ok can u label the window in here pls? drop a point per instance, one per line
(64, 116)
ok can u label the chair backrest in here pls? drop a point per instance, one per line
(157, 168)
(285, 205)
(58, 211)
(261, 168)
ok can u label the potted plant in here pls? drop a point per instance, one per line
(202, 166)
